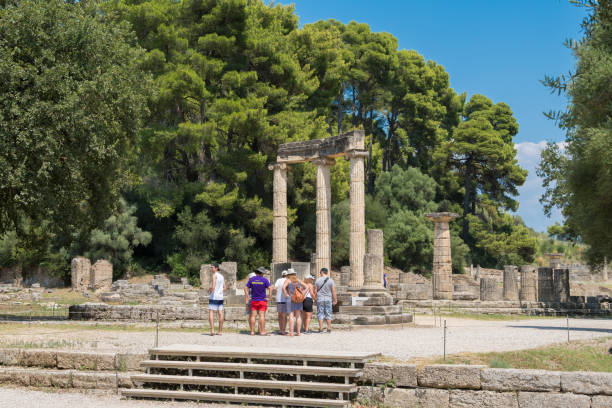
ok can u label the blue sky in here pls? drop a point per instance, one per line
(499, 48)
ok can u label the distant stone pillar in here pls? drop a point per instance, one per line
(604, 270)
(442, 280)
(529, 280)
(477, 273)
(372, 270)
(561, 285)
(545, 285)
(471, 270)
(323, 213)
(488, 289)
(510, 284)
(279, 223)
(80, 273)
(376, 247)
(357, 205)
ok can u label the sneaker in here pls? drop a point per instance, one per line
(328, 331)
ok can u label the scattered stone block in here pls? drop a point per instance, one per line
(503, 379)
(112, 297)
(370, 394)
(101, 276)
(553, 400)
(581, 382)
(420, 397)
(10, 357)
(80, 271)
(450, 376)
(38, 358)
(400, 375)
(483, 399)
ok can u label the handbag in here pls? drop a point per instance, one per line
(298, 295)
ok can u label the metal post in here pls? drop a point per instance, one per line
(444, 340)
(116, 375)
(157, 330)
(567, 321)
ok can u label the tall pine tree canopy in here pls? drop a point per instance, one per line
(224, 82)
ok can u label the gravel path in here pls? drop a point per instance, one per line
(462, 336)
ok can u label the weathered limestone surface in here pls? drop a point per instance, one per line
(101, 276)
(450, 376)
(545, 285)
(279, 223)
(587, 383)
(357, 245)
(416, 398)
(442, 282)
(510, 283)
(345, 276)
(553, 400)
(229, 270)
(205, 276)
(376, 242)
(373, 272)
(561, 285)
(502, 379)
(488, 289)
(80, 270)
(337, 146)
(554, 260)
(601, 401)
(402, 375)
(529, 281)
(482, 399)
(323, 231)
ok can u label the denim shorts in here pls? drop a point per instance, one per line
(324, 310)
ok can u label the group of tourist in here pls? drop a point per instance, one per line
(295, 300)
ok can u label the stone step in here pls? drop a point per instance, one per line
(258, 368)
(237, 398)
(244, 383)
(371, 310)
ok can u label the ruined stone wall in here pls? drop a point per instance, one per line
(101, 276)
(446, 386)
(80, 271)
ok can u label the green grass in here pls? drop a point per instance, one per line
(589, 355)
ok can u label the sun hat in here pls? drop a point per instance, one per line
(284, 273)
(290, 271)
(261, 270)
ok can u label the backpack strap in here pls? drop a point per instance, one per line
(324, 282)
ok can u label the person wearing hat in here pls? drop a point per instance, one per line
(215, 301)
(294, 309)
(258, 286)
(281, 300)
(308, 303)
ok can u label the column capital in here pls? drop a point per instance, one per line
(324, 161)
(353, 154)
(441, 216)
(278, 166)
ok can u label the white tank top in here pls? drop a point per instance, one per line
(217, 293)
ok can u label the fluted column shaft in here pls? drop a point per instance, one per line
(441, 277)
(357, 232)
(323, 213)
(279, 224)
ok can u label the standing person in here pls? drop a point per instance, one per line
(215, 301)
(259, 300)
(308, 303)
(248, 304)
(294, 308)
(281, 301)
(325, 293)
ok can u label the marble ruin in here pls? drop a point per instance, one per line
(441, 274)
(80, 270)
(101, 276)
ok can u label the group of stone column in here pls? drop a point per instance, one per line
(85, 276)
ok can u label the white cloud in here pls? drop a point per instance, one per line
(530, 209)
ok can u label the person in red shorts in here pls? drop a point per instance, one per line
(258, 286)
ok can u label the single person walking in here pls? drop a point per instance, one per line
(215, 301)
(325, 293)
(258, 286)
(294, 289)
(281, 301)
(308, 303)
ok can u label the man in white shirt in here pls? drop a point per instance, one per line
(281, 301)
(215, 302)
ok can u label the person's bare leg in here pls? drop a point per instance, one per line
(307, 321)
(262, 323)
(329, 325)
(282, 322)
(221, 319)
(298, 325)
(211, 321)
(291, 322)
(252, 321)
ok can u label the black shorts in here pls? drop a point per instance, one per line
(308, 305)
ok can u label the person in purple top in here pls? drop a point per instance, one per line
(258, 286)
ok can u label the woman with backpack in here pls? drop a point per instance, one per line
(308, 303)
(294, 291)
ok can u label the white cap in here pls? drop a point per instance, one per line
(251, 275)
(290, 271)
(309, 276)
(284, 273)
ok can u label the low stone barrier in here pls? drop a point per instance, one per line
(451, 386)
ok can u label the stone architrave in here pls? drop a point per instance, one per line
(529, 281)
(510, 283)
(357, 208)
(561, 285)
(323, 241)
(80, 271)
(279, 223)
(442, 282)
(101, 276)
(488, 289)
(372, 270)
(545, 285)
(376, 247)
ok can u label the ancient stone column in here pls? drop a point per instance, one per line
(604, 270)
(561, 285)
(545, 285)
(373, 270)
(279, 224)
(357, 203)
(488, 289)
(323, 213)
(80, 270)
(529, 281)
(376, 247)
(554, 260)
(510, 284)
(441, 276)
